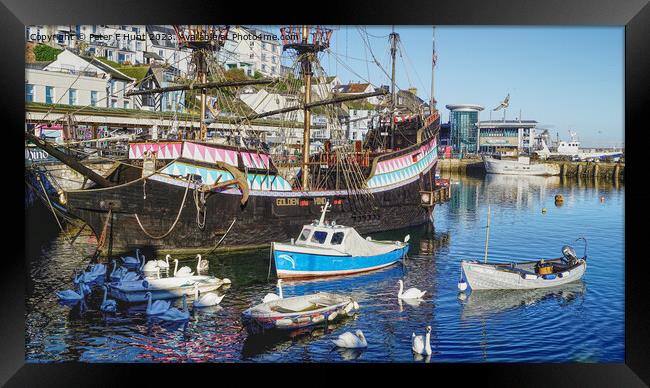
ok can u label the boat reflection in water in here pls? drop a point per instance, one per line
(277, 341)
(483, 303)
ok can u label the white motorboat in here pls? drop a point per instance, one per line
(521, 166)
(164, 288)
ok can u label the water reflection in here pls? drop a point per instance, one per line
(486, 326)
(482, 303)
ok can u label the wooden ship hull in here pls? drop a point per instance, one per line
(165, 212)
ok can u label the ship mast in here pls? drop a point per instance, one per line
(393, 50)
(306, 41)
(433, 65)
(306, 73)
(201, 39)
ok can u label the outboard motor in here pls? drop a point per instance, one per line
(569, 255)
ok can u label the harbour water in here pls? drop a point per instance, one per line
(579, 322)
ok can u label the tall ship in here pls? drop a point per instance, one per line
(221, 182)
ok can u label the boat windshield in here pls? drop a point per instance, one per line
(337, 238)
(304, 234)
(319, 237)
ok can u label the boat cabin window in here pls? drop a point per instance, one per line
(319, 237)
(304, 234)
(337, 238)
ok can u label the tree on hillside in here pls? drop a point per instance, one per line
(46, 53)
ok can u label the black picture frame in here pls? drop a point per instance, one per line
(633, 14)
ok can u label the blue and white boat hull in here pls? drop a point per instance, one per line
(293, 261)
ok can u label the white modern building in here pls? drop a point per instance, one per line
(506, 137)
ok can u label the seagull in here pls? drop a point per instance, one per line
(504, 104)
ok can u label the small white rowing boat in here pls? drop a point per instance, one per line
(525, 275)
(164, 288)
(298, 312)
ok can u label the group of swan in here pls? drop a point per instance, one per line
(420, 344)
(185, 271)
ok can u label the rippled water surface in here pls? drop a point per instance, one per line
(579, 322)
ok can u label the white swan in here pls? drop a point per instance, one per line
(422, 344)
(117, 273)
(132, 261)
(157, 307)
(84, 277)
(108, 305)
(351, 341)
(155, 274)
(209, 299)
(183, 272)
(97, 269)
(129, 277)
(174, 314)
(151, 266)
(201, 265)
(71, 295)
(164, 264)
(411, 293)
(271, 296)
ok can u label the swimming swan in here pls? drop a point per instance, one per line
(422, 344)
(157, 307)
(108, 305)
(271, 296)
(151, 266)
(209, 299)
(72, 295)
(174, 314)
(351, 341)
(132, 261)
(183, 271)
(97, 269)
(201, 265)
(117, 273)
(411, 293)
(164, 264)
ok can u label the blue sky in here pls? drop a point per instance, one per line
(563, 77)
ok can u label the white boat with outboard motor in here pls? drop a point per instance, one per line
(164, 288)
(522, 275)
(526, 275)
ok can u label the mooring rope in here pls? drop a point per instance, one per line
(178, 216)
(222, 237)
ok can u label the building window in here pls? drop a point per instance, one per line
(264, 57)
(29, 92)
(109, 54)
(273, 59)
(49, 95)
(114, 104)
(93, 98)
(126, 105)
(72, 96)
